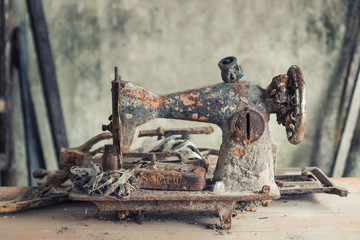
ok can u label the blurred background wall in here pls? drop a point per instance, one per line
(167, 46)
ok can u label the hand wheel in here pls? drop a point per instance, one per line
(295, 121)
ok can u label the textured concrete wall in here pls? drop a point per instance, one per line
(169, 46)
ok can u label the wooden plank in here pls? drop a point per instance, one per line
(34, 153)
(48, 74)
(2, 157)
(7, 160)
(2, 105)
(348, 134)
(15, 199)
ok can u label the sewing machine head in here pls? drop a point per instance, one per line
(241, 109)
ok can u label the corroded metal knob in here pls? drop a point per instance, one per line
(230, 70)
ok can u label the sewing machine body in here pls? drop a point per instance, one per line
(247, 158)
(245, 163)
(241, 109)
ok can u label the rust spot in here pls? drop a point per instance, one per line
(144, 97)
(206, 90)
(198, 171)
(239, 88)
(203, 118)
(244, 99)
(265, 203)
(190, 99)
(239, 151)
(266, 189)
(170, 179)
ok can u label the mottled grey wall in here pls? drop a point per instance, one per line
(169, 46)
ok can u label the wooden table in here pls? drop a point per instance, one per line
(313, 216)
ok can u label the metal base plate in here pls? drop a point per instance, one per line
(154, 200)
(309, 180)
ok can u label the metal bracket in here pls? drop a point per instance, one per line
(308, 180)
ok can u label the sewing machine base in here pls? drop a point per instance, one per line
(154, 200)
(291, 181)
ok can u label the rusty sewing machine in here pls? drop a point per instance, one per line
(245, 168)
